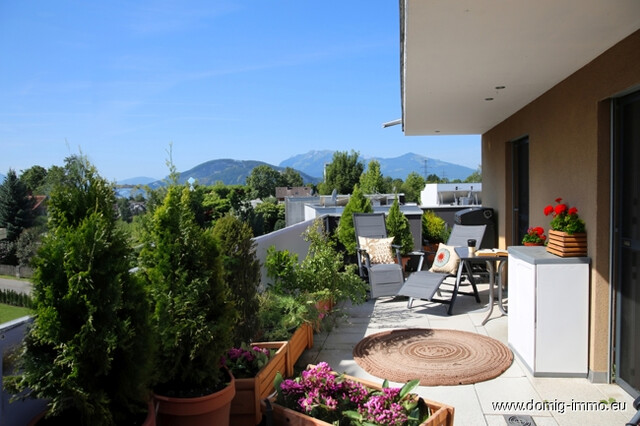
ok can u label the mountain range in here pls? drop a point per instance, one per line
(311, 168)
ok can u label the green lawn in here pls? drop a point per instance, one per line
(8, 312)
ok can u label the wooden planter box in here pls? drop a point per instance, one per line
(565, 245)
(441, 414)
(245, 407)
(301, 340)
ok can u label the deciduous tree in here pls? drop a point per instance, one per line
(342, 173)
(263, 180)
(372, 181)
(291, 177)
(34, 179)
(412, 186)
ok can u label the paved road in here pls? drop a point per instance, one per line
(18, 286)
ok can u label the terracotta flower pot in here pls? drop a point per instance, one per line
(529, 244)
(212, 409)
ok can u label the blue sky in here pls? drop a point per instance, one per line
(250, 80)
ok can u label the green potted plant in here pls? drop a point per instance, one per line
(254, 367)
(534, 237)
(358, 203)
(567, 236)
(434, 232)
(398, 228)
(287, 317)
(564, 218)
(322, 272)
(192, 314)
(320, 396)
(241, 272)
(89, 351)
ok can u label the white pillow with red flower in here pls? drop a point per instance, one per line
(446, 260)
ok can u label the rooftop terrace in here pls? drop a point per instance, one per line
(474, 404)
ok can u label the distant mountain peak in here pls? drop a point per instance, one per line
(313, 163)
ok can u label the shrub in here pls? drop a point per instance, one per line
(322, 272)
(358, 203)
(241, 272)
(88, 350)
(398, 228)
(192, 313)
(10, 297)
(434, 228)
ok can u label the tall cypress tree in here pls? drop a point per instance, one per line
(358, 203)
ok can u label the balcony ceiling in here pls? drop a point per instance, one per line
(456, 52)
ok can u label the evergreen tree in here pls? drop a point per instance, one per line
(15, 206)
(358, 203)
(398, 227)
(191, 312)
(88, 351)
(242, 273)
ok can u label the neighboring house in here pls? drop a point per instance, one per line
(553, 87)
(292, 191)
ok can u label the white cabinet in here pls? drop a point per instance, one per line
(549, 311)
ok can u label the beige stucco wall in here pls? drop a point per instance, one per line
(569, 157)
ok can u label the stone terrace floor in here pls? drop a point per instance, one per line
(472, 403)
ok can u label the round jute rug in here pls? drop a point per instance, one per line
(436, 357)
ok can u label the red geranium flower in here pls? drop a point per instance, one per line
(565, 218)
(560, 208)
